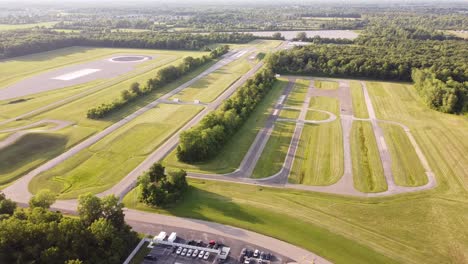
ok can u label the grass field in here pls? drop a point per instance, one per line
(316, 116)
(319, 157)
(4, 27)
(406, 166)
(103, 164)
(211, 86)
(459, 33)
(231, 156)
(325, 103)
(275, 151)
(423, 227)
(359, 104)
(298, 94)
(367, 167)
(289, 113)
(326, 85)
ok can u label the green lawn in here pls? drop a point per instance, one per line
(316, 116)
(367, 167)
(106, 162)
(275, 151)
(5, 27)
(289, 113)
(211, 86)
(325, 103)
(298, 94)
(319, 157)
(231, 155)
(406, 166)
(34, 149)
(326, 85)
(359, 104)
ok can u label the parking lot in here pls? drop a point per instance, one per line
(168, 255)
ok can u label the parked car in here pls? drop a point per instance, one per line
(207, 255)
(244, 251)
(184, 252)
(246, 261)
(179, 250)
(150, 257)
(189, 253)
(268, 256)
(200, 255)
(195, 253)
(256, 253)
(249, 253)
(260, 261)
(262, 255)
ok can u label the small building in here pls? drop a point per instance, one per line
(197, 101)
(160, 237)
(172, 238)
(175, 100)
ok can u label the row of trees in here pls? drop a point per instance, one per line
(206, 139)
(163, 77)
(160, 189)
(37, 235)
(23, 42)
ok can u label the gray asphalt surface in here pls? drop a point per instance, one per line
(45, 81)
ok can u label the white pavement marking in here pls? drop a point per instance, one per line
(76, 74)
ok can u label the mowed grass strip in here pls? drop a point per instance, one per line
(326, 85)
(406, 166)
(289, 113)
(211, 86)
(367, 167)
(319, 157)
(316, 115)
(359, 104)
(298, 94)
(103, 164)
(5, 27)
(326, 104)
(274, 154)
(231, 156)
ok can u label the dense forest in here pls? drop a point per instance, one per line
(391, 51)
(206, 139)
(38, 235)
(23, 42)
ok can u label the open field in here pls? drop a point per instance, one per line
(211, 86)
(4, 27)
(319, 157)
(103, 164)
(461, 34)
(442, 137)
(367, 167)
(316, 116)
(341, 229)
(231, 156)
(298, 94)
(406, 166)
(289, 113)
(359, 105)
(275, 151)
(326, 85)
(325, 103)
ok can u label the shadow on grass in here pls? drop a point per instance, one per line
(27, 149)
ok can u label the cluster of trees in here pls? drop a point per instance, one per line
(302, 36)
(446, 96)
(23, 42)
(390, 53)
(38, 235)
(161, 190)
(206, 139)
(163, 77)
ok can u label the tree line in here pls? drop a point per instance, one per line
(163, 77)
(38, 235)
(391, 52)
(159, 189)
(206, 139)
(22, 42)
